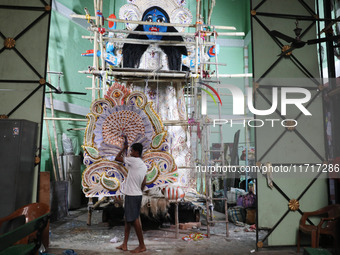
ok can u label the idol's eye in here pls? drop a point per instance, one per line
(148, 18)
(161, 19)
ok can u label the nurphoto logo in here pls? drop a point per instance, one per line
(289, 96)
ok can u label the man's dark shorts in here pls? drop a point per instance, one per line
(132, 206)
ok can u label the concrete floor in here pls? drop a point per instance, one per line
(72, 232)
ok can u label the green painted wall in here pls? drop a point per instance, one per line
(287, 148)
(231, 13)
(65, 48)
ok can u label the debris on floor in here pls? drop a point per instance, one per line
(252, 228)
(114, 240)
(194, 237)
(69, 252)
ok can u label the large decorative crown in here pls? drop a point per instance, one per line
(174, 8)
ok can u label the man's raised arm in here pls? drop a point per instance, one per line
(119, 156)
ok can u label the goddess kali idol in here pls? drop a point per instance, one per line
(132, 53)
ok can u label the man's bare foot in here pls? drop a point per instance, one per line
(122, 247)
(139, 249)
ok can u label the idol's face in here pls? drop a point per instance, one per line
(155, 15)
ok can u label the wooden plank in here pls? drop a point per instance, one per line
(19, 249)
(44, 197)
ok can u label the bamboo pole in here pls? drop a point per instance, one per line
(222, 155)
(150, 23)
(57, 177)
(104, 85)
(197, 27)
(101, 19)
(231, 34)
(50, 144)
(236, 75)
(208, 194)
(95, 49)
(147, 42)
(64, 119)
(103, 63)
(170, 75)
(166, 33)
(219, 27)
(54, 128)
(135, 21)
(143, 80)
(165, 122)
(61, 175)
(103, 60)
(194, 89)
(148, 74)
(210, 11)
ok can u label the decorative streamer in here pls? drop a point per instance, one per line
(213, 90)
(209, 93)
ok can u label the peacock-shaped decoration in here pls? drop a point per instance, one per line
(122, 112)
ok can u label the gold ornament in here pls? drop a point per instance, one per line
(286, 48)
(259, 244)
(294, 205)
(42, 81)
(290, 125)
(9, 43)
